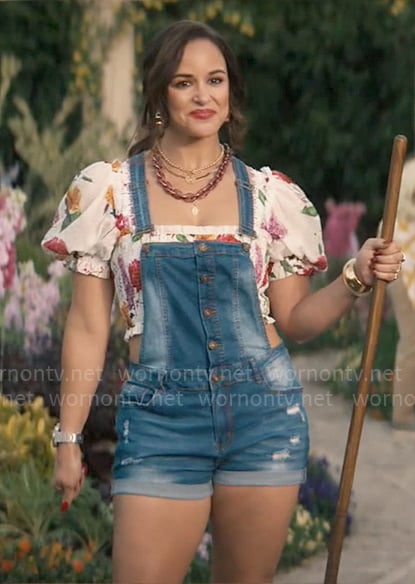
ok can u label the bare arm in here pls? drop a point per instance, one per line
(83, 353)
(84, 347)
(303, 315)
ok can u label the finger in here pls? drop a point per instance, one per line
(394, 259)
(389, 272)
(69, 494)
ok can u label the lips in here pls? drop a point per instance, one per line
(202, 114)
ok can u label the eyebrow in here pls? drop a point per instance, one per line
(189, 76)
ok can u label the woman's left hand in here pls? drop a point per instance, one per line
(378, 259)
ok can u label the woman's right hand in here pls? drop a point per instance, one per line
(69, 473)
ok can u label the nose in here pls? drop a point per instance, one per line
(201, 94)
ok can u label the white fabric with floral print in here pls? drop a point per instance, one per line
(93, 232)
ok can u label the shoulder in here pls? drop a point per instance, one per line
(276, 189)
(98, 180)
(97, 173)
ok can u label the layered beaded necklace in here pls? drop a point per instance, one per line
(157, 159)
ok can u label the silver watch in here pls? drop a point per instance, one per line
(59, 437)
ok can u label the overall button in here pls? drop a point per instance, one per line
(216, 377)
(213, 345)
(145, 247)
(209, 312)
(203, 247)
(246, 246)
(205, 278)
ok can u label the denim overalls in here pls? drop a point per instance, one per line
(209, 401)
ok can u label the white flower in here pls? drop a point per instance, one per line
(310, 546)
(302, 516)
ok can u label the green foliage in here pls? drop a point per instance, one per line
(9, 68)
(40, 34)
(330, 84)
(52, 161)
(28, 504)
(39, 544)
(346, 379)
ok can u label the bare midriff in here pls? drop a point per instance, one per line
(135, 342)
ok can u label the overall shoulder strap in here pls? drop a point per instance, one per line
(245, 196)
(138, 189)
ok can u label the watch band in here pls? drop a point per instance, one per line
(59, 437)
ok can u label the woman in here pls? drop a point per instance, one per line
(207, 255)
(402, 294)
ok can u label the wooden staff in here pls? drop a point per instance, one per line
(372, 334)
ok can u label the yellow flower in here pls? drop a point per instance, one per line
(40, 426)
(234, 18)
(37, 403)
(73, 200)
(138, 16)
(310, 546)
(247, 29)
(302, 517)
(109, 196)
(398, 6)
(211, 12)
(116, 165)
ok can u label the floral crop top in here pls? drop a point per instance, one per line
(93, 233)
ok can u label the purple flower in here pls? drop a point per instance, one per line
(274, 228)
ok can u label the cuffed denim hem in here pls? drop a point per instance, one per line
(132, 486)
(260, 478)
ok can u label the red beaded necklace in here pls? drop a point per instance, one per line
(201, 193)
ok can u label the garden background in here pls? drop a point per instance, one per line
(329, 82)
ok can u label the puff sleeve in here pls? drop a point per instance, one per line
(293, 227)
(83, 232)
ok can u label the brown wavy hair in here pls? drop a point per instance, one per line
(161, 61)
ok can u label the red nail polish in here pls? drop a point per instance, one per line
(64, 506)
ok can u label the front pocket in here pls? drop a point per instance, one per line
(133, 394)
(278, 372)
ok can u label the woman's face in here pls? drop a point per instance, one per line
(198, 94)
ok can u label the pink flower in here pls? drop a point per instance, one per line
(135, 274)
(56, 246)
(274, 228)
(122, 224)
(9, 270)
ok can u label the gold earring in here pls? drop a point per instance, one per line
(158, 120)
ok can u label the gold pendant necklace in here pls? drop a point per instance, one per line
(190, 175)
(188, 178)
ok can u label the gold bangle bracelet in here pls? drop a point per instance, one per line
(352, 282)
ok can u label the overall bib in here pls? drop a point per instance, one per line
(209, 400)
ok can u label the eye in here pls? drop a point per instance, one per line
(216, 80)
(182, 83)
